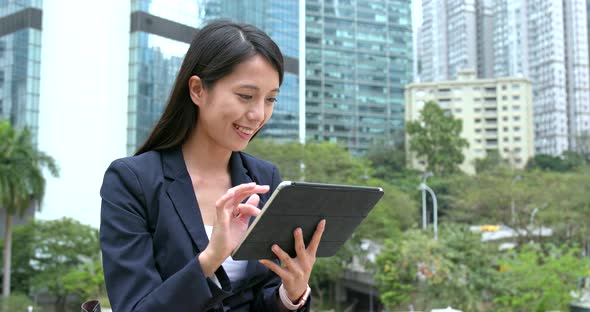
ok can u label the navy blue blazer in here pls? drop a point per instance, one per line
(152, 232)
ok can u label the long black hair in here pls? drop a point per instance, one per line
(213, 54)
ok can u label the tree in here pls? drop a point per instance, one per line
(436, 138)
(387, 158)
(490, 162)
(457, 270)
(62, 258)
(314, 161)
(21, 182)
(535, 280)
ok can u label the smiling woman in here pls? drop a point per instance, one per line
(173, 213)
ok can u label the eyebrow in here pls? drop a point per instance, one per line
(256, 88)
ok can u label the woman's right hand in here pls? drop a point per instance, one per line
(231, 224)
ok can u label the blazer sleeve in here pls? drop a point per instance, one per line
(131, 277)
(267, 298)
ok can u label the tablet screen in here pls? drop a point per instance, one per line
(304, 204)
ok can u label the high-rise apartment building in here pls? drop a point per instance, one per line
(547, 41)
(355, 56)
(497, 115)
(454, 35)
(20, 63)
(543, 40)
(20, 70)
(358, 58)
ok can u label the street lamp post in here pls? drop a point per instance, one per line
(424, 188)
(512, 208)
(424, 177)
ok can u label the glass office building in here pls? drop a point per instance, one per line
(280, 20)
(20, 63)
(160, 35)
(357, 55)
(358, 59)
(20, 68)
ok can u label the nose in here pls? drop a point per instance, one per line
(256, 111)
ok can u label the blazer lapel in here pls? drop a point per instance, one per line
(182, 195)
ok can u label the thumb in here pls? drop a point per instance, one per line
(253, 200)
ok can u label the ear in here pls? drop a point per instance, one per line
(195, 89)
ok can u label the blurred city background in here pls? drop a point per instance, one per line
(473, 115)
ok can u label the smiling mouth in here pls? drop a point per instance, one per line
(247, 131)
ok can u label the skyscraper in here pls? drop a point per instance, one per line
(455, 35)
(20, 67)
(543, 40)
(358, 59)
(346, 63)
(280, 20)
(20, 63)
(160, 36)
(547, 41)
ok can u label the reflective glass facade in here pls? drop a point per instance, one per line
(155, 59)
(280, 20)
(358, 59)
(20, 63)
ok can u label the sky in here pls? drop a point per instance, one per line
(83, 101)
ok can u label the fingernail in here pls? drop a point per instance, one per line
(298, 230)
(275, 247)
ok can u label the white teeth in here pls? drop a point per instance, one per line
(244, 130)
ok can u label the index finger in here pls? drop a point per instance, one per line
(312, 247)
(243, 191)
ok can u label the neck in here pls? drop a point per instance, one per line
(204, 156)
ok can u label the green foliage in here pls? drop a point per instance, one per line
(492, 161)
(323, 162)
(21, 182)
(436, 138)
(395, 212)
(387, 159)
(561, 200)
(457, 270)
(537, 280)
(17, 302)
(21, 170)
(59, 257)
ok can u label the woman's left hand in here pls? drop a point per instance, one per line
(295, 272)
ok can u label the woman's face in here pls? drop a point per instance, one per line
(238, 105)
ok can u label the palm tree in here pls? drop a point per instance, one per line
(21, 182)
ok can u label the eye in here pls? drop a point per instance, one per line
(245, 96)
(272, 100)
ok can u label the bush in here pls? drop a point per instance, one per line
(16, 303)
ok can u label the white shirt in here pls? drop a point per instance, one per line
(235, 269)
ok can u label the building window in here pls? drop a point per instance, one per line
(516, 97)
(516, 129)
(517, 139)
(515, 108)
(516, 118)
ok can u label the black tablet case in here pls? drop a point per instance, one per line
(302, 204)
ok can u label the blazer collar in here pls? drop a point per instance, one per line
(174, 167)
(182, 194)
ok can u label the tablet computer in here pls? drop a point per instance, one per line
(303, 204)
